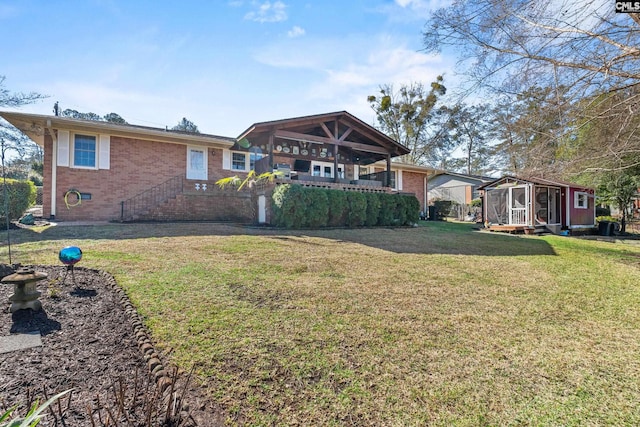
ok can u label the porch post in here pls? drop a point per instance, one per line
(271, 151)
(335, 163)
(388, 184)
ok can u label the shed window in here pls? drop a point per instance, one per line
(580, 200)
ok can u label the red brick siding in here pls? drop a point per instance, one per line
(413, 182)
(135, 166)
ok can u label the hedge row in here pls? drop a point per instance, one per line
(295, 206)
(22, 195)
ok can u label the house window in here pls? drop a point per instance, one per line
(238, 161)
(316, 170)
(84, 151)
(253, 158)
(580, 200)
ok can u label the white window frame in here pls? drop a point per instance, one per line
(246, 160)
(324, 165)
(67, 150)
(72, 150)
(578, 198)
(195, 173)
(227, 162)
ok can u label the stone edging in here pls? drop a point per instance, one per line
(156, 368)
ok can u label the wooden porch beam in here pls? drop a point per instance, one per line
(295, 136)
(345, 134)
(326, 130)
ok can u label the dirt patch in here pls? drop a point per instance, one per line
(94, 342)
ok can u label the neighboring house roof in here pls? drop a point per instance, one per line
(462, 175)
(512, 180)
(34, 125)
(341, 128)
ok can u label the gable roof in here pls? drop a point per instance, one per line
(508, 179)
(351, 134)
(462, 175)
(34, 126)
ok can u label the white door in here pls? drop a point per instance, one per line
(196, 163)
(518, 202)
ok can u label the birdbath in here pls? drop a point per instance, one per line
(24, 287)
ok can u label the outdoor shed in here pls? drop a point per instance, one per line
(537, 204)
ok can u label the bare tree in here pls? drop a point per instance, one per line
(580, 50)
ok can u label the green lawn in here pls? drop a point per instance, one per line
(438, 325)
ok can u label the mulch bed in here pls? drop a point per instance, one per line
(94, 342)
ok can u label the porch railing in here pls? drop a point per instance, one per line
(145, 201)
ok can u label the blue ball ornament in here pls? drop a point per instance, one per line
(70, 255)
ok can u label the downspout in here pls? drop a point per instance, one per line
(424, 209)
(54, 169)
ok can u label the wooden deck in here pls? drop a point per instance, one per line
(516, 229)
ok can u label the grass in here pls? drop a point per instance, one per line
(437, 325)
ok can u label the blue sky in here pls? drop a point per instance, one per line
(222, 64)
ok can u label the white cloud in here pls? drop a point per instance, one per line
(296, 32)
(268, 12)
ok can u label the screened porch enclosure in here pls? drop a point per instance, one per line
(547, 205)
(514, 205)
(508, 206)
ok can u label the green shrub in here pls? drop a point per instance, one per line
(412, 209)
(373, 209)
(289, 206)
(442, 207)
(357, 209)
(400, 211)
(317, 207)
(337, 207)
(22, 195)
(606, 218)
(387, 209)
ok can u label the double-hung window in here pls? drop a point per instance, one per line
(580, 200)
(240, 161)
(84, 151)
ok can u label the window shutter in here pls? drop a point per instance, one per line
(399, 183)
(226, 159)
(63, 148)
(356, 171)
(104, 152)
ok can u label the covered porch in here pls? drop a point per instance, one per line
(335, 148)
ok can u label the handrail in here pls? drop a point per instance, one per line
(150, 198)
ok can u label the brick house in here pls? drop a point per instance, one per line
(97, 170)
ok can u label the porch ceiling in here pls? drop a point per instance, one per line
(355, 139)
